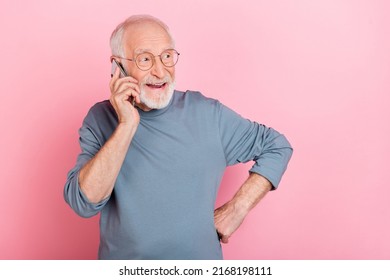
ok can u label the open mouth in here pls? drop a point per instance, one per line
(156, 86)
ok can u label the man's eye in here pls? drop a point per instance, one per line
(144, 59)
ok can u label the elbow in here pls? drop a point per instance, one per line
(286, 150)
(78, 201)
(284, 143)
(90, 197)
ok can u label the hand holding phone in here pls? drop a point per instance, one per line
(125, 93)
(114, 65)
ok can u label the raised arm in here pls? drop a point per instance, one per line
(98, 165)
(98, 176)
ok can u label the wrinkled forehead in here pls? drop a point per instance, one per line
(146, 36)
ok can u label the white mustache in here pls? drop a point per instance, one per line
(152, 81)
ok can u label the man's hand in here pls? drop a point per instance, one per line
(230, 216)
(124, 90)
(227, 219)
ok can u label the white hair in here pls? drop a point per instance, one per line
(116, 40)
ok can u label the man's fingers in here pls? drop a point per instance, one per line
(225, 240)
(124, 90)
(119, 84)
(129, 79)
(137, 99)
(127, 95)
(125, 85)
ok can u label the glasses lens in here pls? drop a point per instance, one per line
(169, 58)
(144, 61)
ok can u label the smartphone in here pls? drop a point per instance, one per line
(115, 64)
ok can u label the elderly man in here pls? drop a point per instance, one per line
(153, 157)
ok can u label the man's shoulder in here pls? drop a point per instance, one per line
(100, 111)
(101, 107)
(195, 98)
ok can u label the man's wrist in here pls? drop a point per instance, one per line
(251, 192)
(241, 205)
(127, 126)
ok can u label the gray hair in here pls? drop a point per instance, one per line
(116, 39)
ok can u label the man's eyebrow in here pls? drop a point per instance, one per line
(142, 51)
(138, 51)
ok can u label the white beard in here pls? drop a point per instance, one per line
(161, 101)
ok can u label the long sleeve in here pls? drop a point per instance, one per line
(244, 140)
(90, 145)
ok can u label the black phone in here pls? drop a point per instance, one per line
(115, 64)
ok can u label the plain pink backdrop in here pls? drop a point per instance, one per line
(318, 71)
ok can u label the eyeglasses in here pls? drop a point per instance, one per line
(146, 60)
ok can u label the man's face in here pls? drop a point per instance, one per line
(156, 84)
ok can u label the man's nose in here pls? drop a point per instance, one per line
(158, 68)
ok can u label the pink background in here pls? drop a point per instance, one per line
(318, 71)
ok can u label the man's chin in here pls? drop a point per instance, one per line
(153, 100)
(155, 105)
